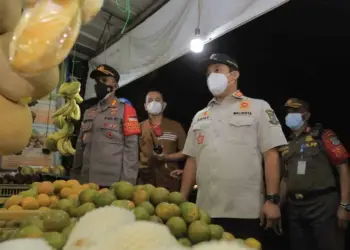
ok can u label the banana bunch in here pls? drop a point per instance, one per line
(63, 117)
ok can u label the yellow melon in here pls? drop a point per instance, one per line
(10, 13)
(15, 126)
(90, 8)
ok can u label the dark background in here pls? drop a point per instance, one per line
(301, 50)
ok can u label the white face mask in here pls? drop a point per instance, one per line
(154, 108)
(217, 83)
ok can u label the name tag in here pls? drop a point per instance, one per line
(301, 169)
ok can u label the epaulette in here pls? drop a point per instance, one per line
(125, 101)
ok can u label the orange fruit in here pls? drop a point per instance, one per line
(43, 200)
(13, 200)
(30, 203)
(65, 192)
(46, 187)
(71, 183)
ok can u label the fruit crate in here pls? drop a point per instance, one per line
(7, 190)
(17, 215)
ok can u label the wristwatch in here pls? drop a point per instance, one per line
(346, 206)
(274, 198)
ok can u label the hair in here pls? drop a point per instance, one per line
(155, 90)
(232, 68)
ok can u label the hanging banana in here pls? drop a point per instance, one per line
(64, 117)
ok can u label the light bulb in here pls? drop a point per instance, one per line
(197, 44)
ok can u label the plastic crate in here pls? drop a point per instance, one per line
(7, 190)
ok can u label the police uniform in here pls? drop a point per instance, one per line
(107, 146)
(309, 162)
(227, 140)
(172, 139)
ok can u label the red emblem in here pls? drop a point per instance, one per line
(200, 139)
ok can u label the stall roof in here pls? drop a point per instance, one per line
(105, 29)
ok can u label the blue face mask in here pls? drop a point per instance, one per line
(294, 121)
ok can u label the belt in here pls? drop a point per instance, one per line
(311, 194)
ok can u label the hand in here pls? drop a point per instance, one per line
(343, 218)
(176, 173)
(271, 212)
(160, 157)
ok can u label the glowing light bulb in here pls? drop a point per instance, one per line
(197, 45)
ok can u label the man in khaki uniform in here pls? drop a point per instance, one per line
(161, 144)
(225, 146)
(107, 146)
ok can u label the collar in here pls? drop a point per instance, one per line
(305, 130)
(108, 103)
(237, 95)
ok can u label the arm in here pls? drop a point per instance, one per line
(270, 137)
(75, 171)
(338, 156)
(344, 175)
(130, 159)
(131, 145)
(190, 170)
(188, 177)
(272, 171)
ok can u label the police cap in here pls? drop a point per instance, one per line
(297, 104)
(218, 59)
(104, 70)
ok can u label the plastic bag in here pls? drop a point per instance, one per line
(45, 35)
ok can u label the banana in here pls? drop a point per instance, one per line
(66, 130)
(78, 98)
(69, 89)
(67, 145)
(62, 110)
(76, 115)
(59, 122)
(60, 146)
(72, 104)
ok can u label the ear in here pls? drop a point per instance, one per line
(145, 105)
(235, 75)
(307, 116)
(164, 105)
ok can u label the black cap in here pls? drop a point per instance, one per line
(219, 59)
(104, 70)
(296, 103)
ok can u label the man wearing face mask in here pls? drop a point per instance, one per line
(225, 146)
(161, 144)
(107, 146)
(315, 168)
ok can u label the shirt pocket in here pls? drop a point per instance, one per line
(201, 131)
(112, 133)
(86, 132)
(242, 130)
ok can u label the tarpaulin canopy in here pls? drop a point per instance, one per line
(166, 35)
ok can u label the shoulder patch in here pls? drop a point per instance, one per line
(272, 117)
(125, 101)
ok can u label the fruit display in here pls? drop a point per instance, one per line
(64, 119)
(29, 175)
(158, 217)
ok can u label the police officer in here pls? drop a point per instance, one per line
(314, 207)
(161, 144)
(225, 146)
(107, 147)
